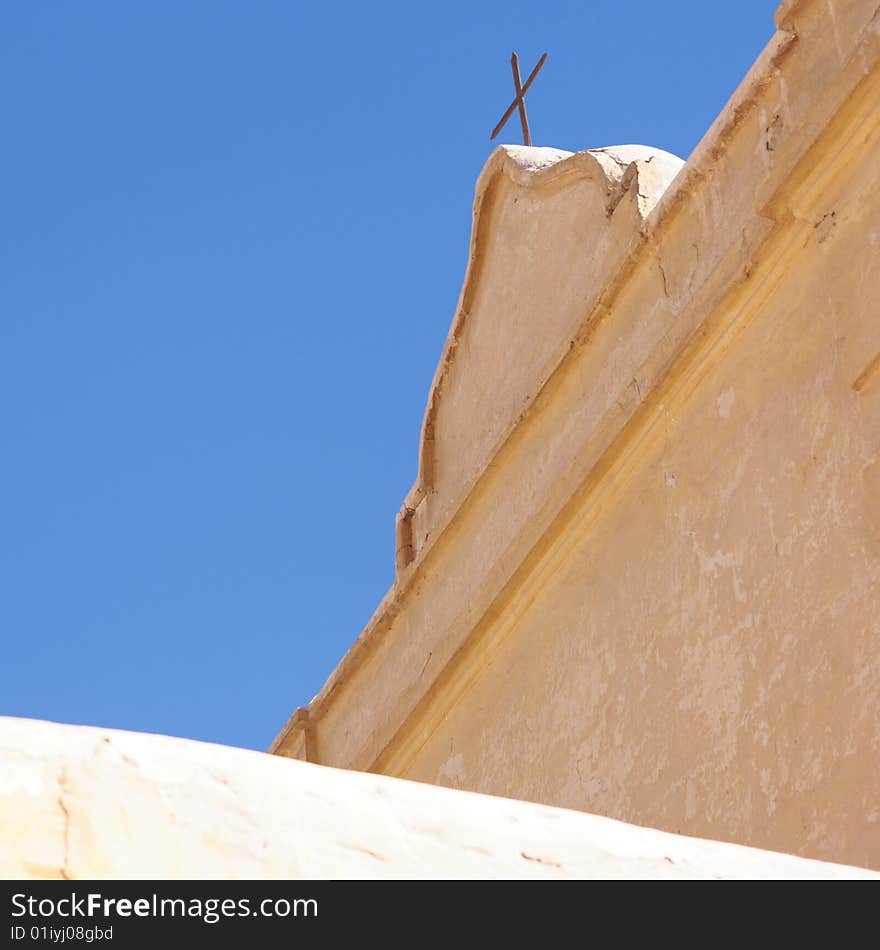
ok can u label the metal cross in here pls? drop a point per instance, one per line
(520, 100)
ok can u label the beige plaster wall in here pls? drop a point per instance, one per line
(640, 576)
(706, 657)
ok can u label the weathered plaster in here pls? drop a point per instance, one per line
(80, 803)
(639, 571)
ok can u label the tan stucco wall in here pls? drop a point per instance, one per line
(81, 803)
(639, 573)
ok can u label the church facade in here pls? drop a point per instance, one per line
(639, 572)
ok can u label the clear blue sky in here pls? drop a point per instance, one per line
(233, 237)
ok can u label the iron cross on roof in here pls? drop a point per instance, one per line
(520, 99)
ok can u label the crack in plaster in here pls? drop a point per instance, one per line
(65, 811)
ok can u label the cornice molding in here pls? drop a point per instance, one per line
(812, 151)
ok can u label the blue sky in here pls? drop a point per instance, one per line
(233, 236)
